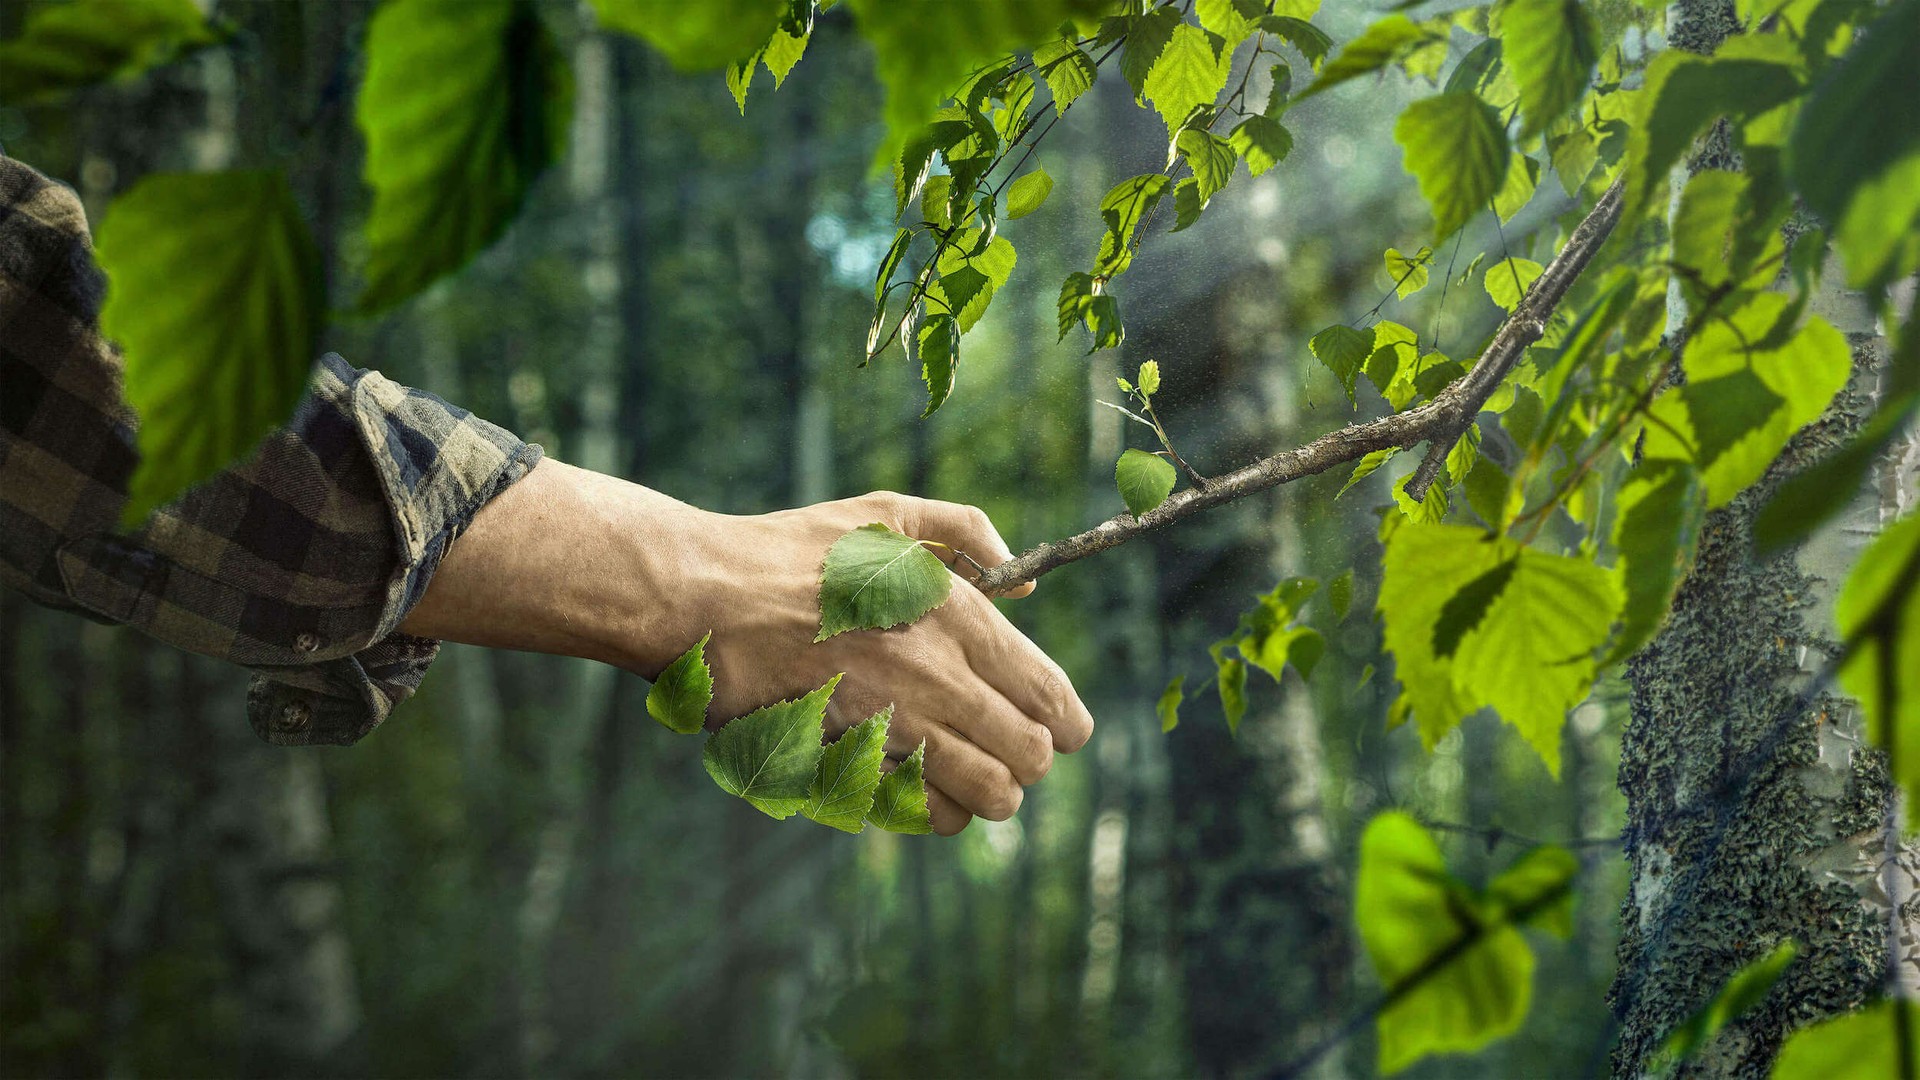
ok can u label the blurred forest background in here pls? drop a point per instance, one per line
(521, 874)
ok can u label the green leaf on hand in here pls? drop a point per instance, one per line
(1145, 480)
(1454, 959)
(1551, 47)
(875, 578)
(216, 302)
(900, 802)
(1026, 194)
(680, 696)
(768, 757)
(67, 47)
(1456, 147)
(849, 773)
(465, 103)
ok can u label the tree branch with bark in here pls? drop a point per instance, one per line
(1439, 423)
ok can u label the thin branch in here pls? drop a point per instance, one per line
(1438, 422)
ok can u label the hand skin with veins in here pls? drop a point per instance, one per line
(577, 563)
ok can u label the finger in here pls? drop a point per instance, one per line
(987, 719)
(980, 783)
(1027, 677)
(967, 529)
(947, 816)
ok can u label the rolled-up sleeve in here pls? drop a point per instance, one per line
(299, 562)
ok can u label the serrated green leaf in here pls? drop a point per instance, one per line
(1809, 498)
(1147, 39)
(783, 51)
(1210, 158)
(1145, 480)
(1367, 467)
(1656, 529)
(1431, 507)
(1508, 280)
(1295, 30)
(1028, 193)
(1858, 1046)
(875, 578)
(1456, 147)
(1067, 71)
(216, 301)
(739, 79)
(465, 103)
(1530, 655)
(1103, 322)
(1076, 294)
(1466, 609)
(1232, 684)
(1879, 613)
(768, 757)
(843, 786)
(1523, 177)
(1376, 47)
(1187, 204)
(1747, 988)
(1683, 93)
(1343, 350)
(1866, 182)
(1748, 390)
(1168, 707)
(1551, 47)
(693, 37)
(1233, 20)
(969, 279)
(1413, 915)
(1123, 208)
(1409, 275)
(680, 696)
(1263, 141)
(939, 359)
(67, 47)
(1190, 72)
(900, 801)
(1149, 378)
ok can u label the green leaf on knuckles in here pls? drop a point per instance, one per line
(875, 578)
(900, 802)
(769, 756)
(680, 696)
(842, 792)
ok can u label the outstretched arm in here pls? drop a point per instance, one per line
(573, 562)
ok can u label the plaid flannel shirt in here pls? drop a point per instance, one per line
(298, 563)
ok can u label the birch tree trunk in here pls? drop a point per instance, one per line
(1755, 813)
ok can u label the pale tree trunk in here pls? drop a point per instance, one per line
(1755, 814)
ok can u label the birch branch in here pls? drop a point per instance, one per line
(1439, 423)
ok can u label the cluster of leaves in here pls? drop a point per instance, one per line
(873, 579)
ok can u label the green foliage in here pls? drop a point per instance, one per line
(1508, 280)
(1145, 480)
(1858, 1046)
(1860, 176)
(1685, 92)
(875, 578)
(680, 696)
(216, 304)
(1525, 648)
(1878, 614)
(769, 756)
(1068, 71)
(1409, 274)
(1188, 74)
(900, 801)
(1381, 44)
(465, 103)
(1551, 47)
(1028, 193)
(1343, 350)
(1752, 381)
(1123, 209)
(1262, 141)
(939, 354)
(1656, 528)
(694, 36)
(68, 47)
(1747, 988)
(1211, 159)
(1456, 147)
(1457, 969)
(1168, 707)
(842, 791)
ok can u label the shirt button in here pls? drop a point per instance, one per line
(294, 716)
(306, 643)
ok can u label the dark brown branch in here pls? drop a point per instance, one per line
(1439, 422)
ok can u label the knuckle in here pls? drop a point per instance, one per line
(1036, 759)
(1005, 801)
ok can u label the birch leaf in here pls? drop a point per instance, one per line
(875, 578)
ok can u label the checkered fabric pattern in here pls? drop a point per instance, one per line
(297, 563)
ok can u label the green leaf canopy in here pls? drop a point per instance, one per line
(66, 47)
(875, 578)
(215, 300)
(465, 103)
